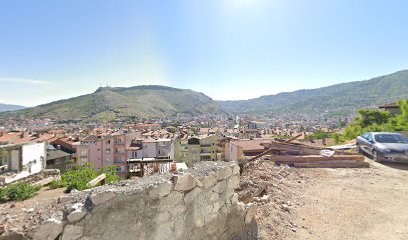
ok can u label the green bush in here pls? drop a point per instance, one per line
(319, 135)
(57, 184)
(18, 192)
(78, 178)
(375, 121)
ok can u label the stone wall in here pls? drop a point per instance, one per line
(199, 203)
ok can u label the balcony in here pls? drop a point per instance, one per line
(205, 145)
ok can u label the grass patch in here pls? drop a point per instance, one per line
(18, 192)
(78, 178)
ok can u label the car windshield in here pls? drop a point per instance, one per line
(390, 138)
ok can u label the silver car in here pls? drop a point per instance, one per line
(384, 146)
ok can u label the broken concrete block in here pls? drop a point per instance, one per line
(233, 182)
(76, 215)
(102, 197)
(209, 181)
(220, 187)
(192, 195)
(161, 190)
(235, 169)
(250, 213)
(199, 183)
(234, 198)
(48, 231)
(224, 173)
(174, 198)
(72, 232)
(184, 182)
(175, 211)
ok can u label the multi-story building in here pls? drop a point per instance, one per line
(18, 161)
(150, 148)
(196, 149)
(103, 151)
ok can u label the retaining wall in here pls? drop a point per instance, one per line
(199, 203)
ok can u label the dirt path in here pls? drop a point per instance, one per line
(353, 204)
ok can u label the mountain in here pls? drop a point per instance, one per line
(9, 107)
(339, 98)
(110, 103)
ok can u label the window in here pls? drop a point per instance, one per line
(118, 160)
(108, 150)
(205, 158)
(134, 154)
(84, 152)
(51, 162)
(108, 142)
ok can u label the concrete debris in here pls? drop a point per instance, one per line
(183, 183)
(271, 188)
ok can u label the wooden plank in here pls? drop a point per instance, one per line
(269, 151)
(99, 179)
(45, 182)
(327, 162)
(355, 164)
(292, 139)
(316, 158)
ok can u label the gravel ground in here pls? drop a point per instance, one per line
(369, 203)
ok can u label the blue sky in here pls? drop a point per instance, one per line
(227, 49)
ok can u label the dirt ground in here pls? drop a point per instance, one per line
(355, 204)
(369, 203)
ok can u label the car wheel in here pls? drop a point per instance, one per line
(376, 157)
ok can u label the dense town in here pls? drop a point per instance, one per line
(184, 140)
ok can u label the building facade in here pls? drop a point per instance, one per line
(196, 149)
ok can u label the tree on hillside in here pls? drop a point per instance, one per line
(402, 119)
(376, 121)
(370, 117)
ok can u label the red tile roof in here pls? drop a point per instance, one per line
(248, 145)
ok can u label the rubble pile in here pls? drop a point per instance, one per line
(275, 190)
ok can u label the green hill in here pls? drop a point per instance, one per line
(122, 103)
(339, 98)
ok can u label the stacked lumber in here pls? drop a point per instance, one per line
(306, 156)
(315, 161)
